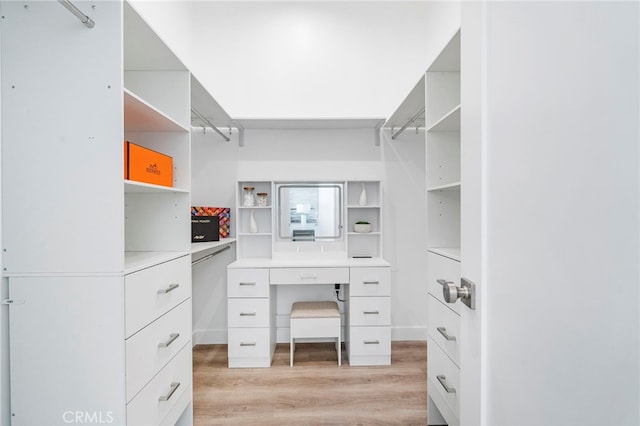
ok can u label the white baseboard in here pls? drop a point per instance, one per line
(210, 337)
(409, 333)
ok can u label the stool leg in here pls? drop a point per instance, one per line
(291, 350)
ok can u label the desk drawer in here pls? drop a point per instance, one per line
(440, 267)
(246, 312)
(309, 275)
(370, 281)
(370, 341)
(444, 322)
(153, 291)
(155, 400)
(152, 348)
(369, 311)
(248, 342)
(438, 364)
(252, 282)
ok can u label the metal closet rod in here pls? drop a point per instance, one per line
(209, 123)
(411, 120)
(78, 13)
(209, 256)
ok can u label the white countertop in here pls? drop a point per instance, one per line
(309, 263)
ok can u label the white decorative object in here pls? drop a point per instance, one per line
(362, 227)
(363, 196)
(253, 225)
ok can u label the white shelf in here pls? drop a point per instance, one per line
(140, 116)
(200, 247)
(255, 234)
(133, 187)
(364, 207)
(137, 260)
(450, 252)
(363, 233)
(450, 122)
(448, 186)
(254, 207)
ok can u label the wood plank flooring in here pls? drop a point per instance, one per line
(314, 392)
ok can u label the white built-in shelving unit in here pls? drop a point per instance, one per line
(370, 243)
(442, 122)
(434, 104)
(103, 271)
(261, 244)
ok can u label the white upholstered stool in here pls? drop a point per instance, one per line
(314, 320)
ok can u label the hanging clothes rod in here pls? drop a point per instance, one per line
(209, 123)
(411, 120)
(209, 256)
(88, 22)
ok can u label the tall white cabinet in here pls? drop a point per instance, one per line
(99, 267)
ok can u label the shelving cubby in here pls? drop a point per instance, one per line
(370, 243)
(254, 244)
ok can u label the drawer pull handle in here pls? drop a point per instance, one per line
(247, 343)
(443, 382)
(247, 314)
(372, 282)
(371, 312)
(247, 283)
(168, 289)
(443, 331)
(308, 276)
(443, 282)
(174, 387)
(372, 342)
(172, 338)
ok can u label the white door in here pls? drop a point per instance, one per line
(550, 212)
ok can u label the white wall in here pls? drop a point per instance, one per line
(308, 155)
(300, 59)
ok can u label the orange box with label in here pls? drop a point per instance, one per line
(145, 165)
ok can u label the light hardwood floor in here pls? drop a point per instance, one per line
(314, 392)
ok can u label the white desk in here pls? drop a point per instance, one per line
(251, 293)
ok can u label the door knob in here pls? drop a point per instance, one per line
(466, 292)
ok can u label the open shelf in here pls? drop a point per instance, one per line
(450, 122)
(448, 186)
(449, 252)
(140, 116)
(133, 187)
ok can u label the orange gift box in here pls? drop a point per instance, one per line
(145, 165)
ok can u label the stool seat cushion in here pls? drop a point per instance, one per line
(315, 310)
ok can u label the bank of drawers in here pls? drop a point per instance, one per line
(369, 339)
(158, 340)
(250, 307)
(443, 345)
(251, 311)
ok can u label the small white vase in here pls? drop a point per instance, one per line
(253, 225)
(363, 196)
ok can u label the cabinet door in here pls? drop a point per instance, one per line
(66, 349)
